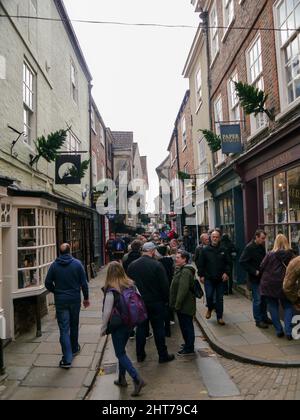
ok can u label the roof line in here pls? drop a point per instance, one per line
(73, 37)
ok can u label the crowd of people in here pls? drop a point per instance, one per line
(152, 278)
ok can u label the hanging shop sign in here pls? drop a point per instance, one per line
(231, 139)
(67, 170)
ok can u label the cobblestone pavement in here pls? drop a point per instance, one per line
(263, 383)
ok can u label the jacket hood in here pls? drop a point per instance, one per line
(283, 255)
(187, 267)
(64, 259)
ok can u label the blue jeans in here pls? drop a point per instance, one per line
(68, 322)
(188, 332)
(259, 304)
(156, 314)
(273, 306)
(120, 338)
(214, 292)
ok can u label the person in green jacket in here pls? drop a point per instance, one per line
(183, 300)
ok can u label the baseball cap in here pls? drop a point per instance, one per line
(149, 246)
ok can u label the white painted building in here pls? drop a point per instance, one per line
(44, 86)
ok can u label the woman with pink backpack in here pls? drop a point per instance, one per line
(123, 309)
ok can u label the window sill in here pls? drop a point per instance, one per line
(257, 133)
(287, 110)
(228, 30)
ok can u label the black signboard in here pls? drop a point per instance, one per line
(67, 170)
(231, 139)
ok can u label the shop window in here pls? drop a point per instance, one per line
(280, 197)
(268, 201)
(282, 207)
(36, 245)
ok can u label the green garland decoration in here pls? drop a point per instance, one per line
(47, 148)
(213, 140)
(82, 171)
(253, 100)
(182, 176)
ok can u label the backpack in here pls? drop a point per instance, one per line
(130, 307)
(197, 289)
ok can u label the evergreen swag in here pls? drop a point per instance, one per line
(182, 176)
(48, 148)
(82, 171)
(253, 100)
(213, 141)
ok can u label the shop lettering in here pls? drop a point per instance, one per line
(231, 138)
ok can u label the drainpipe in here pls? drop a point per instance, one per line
(204, 25)
(178, 170)
(2, 337)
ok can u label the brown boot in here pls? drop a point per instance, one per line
(221, 322)
(138, 385)
(208, 314)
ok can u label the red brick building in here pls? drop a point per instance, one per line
(260, 186)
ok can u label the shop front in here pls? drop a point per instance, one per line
(4, 220)
(271, 175)
(227, 194)
(28, 249)
(74, 226)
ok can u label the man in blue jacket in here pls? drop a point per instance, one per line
(65, 279)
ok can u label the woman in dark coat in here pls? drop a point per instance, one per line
(273, 270)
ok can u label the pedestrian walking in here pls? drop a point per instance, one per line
(214, 269)
(291, 283)
(227, 243)
(204, 241)
(116, 284)
(134, 254)
(273, 270)
(66, 279)
(168, 264)
(251, 259)
(119, 248)
(183, 301)
(109, 247)
(151, 280)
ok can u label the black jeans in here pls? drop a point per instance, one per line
(188, 332)
(156, 315)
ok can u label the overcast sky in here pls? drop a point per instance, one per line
(137, 71)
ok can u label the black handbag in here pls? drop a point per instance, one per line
(197, 290)
(115, 322)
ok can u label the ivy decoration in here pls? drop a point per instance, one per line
(48, 148)
(213, 140)
(82, 171)
(253, 100)
(182, 176)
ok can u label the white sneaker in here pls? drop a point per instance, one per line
(172, 322)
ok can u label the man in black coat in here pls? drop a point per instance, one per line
(251, 260)
(214, 271)
(152, 282)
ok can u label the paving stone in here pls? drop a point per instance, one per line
(21, 348)
(233, 340)
(43, 394)
(55, 377)
(88, 349)
(256, 338)
(17, 373)
(22, 360)
(48, 348)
